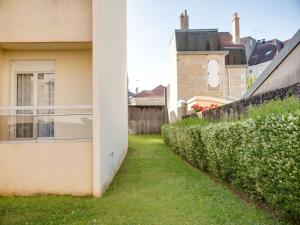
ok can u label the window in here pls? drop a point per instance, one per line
(35, 89)
(268, 52)
(24, 124)
(45, 91)
(213, 73)
(34, 86)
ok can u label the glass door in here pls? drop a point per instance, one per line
(45, 97)
(35, 89)
(25, 93)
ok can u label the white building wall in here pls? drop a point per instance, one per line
(258, 69)
(286, 74)
(148, 101)
(45, 21)
(109, 91)
(1, 71)
(173, 82)
(56, 167)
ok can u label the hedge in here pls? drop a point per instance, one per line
(260, 156)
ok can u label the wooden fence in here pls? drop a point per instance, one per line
(146, 119)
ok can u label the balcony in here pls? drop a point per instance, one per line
(46, 123)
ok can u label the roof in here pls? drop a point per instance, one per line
(157, 92)
(286, 41)
(210, 40)
(146, 94)
(130, 94)
(292, 43)
(265, 51)
(197, 40)
(225, 37)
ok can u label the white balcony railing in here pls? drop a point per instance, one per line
(40, 123)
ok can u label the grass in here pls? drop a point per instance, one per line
(275, 107)
(153, 187)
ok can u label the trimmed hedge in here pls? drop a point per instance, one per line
(260, 156)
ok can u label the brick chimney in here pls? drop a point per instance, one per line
(236, 29)
(184, 21)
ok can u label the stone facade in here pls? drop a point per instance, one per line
(192, 77)
(236, 86)
(206, 63)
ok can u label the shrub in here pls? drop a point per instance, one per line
(260, 155)
(189, 122)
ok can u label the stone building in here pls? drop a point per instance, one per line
(205, 64)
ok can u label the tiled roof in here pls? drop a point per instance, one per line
(265, 51)
(210, 40)
(157, 92)
(197, 40)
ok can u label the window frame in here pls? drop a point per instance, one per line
(34, 67)
(219, 75)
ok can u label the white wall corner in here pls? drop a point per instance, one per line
(109, 90)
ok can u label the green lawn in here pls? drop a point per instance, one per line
(153, 187)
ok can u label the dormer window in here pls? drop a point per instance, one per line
(268, 52)
(213, 73)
